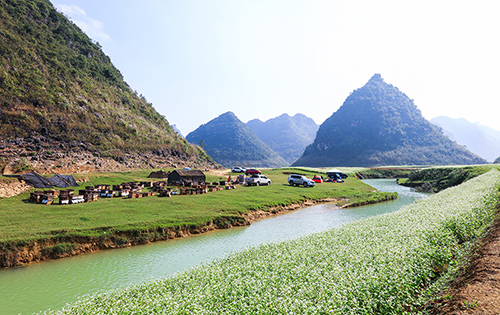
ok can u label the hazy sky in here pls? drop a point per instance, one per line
(195, 60)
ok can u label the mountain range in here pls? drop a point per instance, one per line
(230, 142)
(287, 136)
(379, 125)
(482, 140)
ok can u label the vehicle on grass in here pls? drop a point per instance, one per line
(335, 174)
(300, 180)
(257, 180)
(238, 169)
(251, 171)
(317, 179)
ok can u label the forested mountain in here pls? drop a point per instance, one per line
(58, 87)
(287, 136)
(230, 142)
(482, 140)
(379, 125)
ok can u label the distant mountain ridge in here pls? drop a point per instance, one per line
(230, 142)
(379, 125)
(287, 136)
(482, 140)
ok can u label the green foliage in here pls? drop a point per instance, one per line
(21, 165)
(58, 249)
(387, 172)
(388, 264)
(56, 82)
(230, 142)
(379, 125)
(439, 178)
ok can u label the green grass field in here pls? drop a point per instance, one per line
(22, 222)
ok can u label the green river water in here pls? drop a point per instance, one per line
(51, 284)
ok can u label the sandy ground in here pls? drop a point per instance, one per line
(477, 290)
(220, 173)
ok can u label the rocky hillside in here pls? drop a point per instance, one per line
(379, 125)
(60, 95)
(482, 140)
(230, 142)
(287, 136)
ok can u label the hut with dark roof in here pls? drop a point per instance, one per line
(186, 177)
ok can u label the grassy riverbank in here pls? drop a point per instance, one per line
(120, 221)
(389, 264)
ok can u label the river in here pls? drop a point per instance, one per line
(51, 284)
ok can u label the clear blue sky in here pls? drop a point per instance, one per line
(195, 60)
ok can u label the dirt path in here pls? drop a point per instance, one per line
(477, 290)
(221, 173)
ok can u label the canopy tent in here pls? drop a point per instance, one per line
(335, 173)
(38, 181)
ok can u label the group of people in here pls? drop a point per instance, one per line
(239, 180)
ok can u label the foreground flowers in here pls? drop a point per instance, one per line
(386, 264)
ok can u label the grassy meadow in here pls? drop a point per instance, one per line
(22, 222)
(388, 264)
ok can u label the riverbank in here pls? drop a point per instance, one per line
(477, 289)
(47, 249)
(386, 264)
(32, 232)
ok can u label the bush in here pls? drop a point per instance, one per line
(59, 249)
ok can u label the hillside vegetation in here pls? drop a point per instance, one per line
(57, 85)
(379, 125)
(436, 179)
(230, 142)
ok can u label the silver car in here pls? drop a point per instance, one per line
(300, 180)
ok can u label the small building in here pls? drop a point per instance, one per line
(186, 177)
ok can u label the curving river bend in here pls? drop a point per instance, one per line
(51, 284)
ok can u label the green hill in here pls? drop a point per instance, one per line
(57, 85)
(230, 142)
(287, 136)
(379, 125)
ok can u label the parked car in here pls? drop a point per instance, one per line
(317, 179)
(257, 180)
(300, 180)
(238, 169)
(251, 171)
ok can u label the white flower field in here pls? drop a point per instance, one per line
(387, 264)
